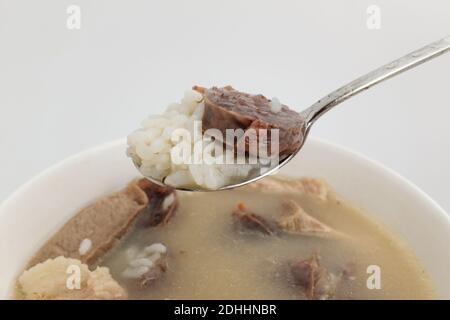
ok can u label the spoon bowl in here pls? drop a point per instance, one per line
(314, 112)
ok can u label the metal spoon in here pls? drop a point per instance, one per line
(331, 100)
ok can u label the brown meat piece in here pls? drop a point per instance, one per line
(163, 203)
(227, 108)
(295, 220)
(302, 186)
(154, 274)
(314, 280)
(251, 221)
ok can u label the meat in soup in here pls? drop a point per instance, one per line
(273, 239)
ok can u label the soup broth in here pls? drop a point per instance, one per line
(209, 258)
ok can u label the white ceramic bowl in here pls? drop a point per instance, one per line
(30, 216)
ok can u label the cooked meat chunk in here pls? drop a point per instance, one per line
(96, 229)
(295, 220)
(155, 273)
(163, 202)
(227, 108)
(314, 280)
(50, 280)
(308, 186)
(250, 221)
(100, 225)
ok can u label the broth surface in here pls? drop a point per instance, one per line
(209, 259)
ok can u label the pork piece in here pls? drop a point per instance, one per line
(296, 221)
(227, 108)
(100, 224)
(49, 281)
(308, 186)
(97, 228)
(154, 274)
(163, 203)
(314, 280)
(250, 221)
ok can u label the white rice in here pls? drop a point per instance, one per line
(85, 246)
(275, 105)
(168, 201)
(153, 146)
(155, 257)
(156, 248)
(142, 261)
(135, 272)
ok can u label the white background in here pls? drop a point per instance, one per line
(62, 91)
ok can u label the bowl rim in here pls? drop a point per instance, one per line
(389, 171)
(331, 145)
(55, 167)
(391, 176)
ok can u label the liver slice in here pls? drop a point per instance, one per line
(227, 108)
(104, 222)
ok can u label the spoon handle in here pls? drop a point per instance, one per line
(387, 71)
